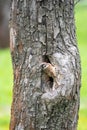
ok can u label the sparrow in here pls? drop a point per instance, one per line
(50, 70)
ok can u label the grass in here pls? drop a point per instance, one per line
(6, 73)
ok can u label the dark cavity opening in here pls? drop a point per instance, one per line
(50, 79)
(46, 59)
(51, 82)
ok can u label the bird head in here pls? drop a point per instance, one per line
(44, 65)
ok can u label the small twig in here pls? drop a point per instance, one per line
(76, 1)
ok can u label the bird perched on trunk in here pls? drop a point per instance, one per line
(50, 70)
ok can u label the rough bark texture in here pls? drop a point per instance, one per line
(44, 31)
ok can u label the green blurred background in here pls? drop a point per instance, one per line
(6, 74)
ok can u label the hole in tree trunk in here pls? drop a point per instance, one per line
(47, 80)
(46, 59)
(51, 82)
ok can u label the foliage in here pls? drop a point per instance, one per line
(5, 88)
(81, 20)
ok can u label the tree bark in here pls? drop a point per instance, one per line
(43, 31)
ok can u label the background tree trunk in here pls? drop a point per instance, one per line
(4, 21)
(44, 31)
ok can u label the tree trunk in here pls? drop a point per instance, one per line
(4, 20)
(43, 32)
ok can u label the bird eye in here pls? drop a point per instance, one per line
(43, 66)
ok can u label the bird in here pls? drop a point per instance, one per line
(50, 70)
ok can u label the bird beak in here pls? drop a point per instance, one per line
(42, 63)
